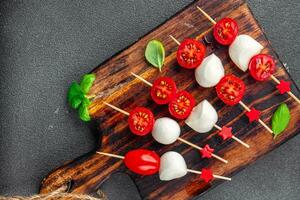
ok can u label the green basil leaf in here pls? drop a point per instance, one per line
(76, 101)
(84, 111)
(87, 82)
(155, 53)
(74, 91)
(280, 119)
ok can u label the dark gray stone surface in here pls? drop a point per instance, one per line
(44, 45)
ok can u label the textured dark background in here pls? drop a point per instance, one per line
(44, 45)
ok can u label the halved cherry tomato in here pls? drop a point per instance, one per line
(142, 161)
(261, 67)
(225, 31)
(190, 53)
(141, 121)
(182, 105)
(230, 89)
(163, 90)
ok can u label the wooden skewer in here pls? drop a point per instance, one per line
(215, 176)
(174, 39)
(142, 79)
(290, 93)
(110, 155)
(233, 137)
(116, 108)
(200, 148)
(207, 16)
(260, 121)
(180, 139)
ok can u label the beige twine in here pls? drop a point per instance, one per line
(58, 194)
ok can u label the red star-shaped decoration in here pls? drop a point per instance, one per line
(206, 175)
(225, 133)
(253, 114)
(206, 151)
(284, 86)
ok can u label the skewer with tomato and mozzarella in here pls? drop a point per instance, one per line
(230, 89)
(171, 165)
(245, 52)
(164, 130)
(202, 118)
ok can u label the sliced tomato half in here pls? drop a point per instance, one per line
(141, 121)
(182, 105)
(163, 90)
(230, 89)
(225, 31)
(190, 53)
(261, 67)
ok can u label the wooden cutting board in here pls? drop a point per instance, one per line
(115, 85)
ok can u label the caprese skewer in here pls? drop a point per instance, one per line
(244, 51)
(203, 118)
(164, 130)
(171, 165)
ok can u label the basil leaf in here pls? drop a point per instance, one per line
(155, 53)
(280, 119)
(74, 90)
(76, 101)
(87, 82)
(84, 111)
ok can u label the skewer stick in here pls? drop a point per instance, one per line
(207, 16)
(215, 176)
(142, 79)
(175, 40)
(200, 148)
(110, 155)
(290, 93)
(260, 121)
(233, 137)
(117, 109)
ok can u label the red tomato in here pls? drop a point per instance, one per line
(142, 161)
(190, 53)
(261, 67)
(141, 121)
(163, 90)
(225, 31)
(230, 89)
(182, 105)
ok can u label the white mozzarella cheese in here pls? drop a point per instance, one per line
(243, 49)
(210, 72)
(203, 117)
(172, 166)
(165, 130)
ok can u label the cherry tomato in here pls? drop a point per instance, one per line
(142, 161)
(225, 31)
(261, 67)
(230, 89)
(190, 53)
(182, 105)
(163, 90)
(141, 121)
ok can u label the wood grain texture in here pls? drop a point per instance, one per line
(115, 85)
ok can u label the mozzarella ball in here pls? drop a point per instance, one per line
(165, 130)
(172, 166)
(243, 49)
(203, 117)
(210, 72)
